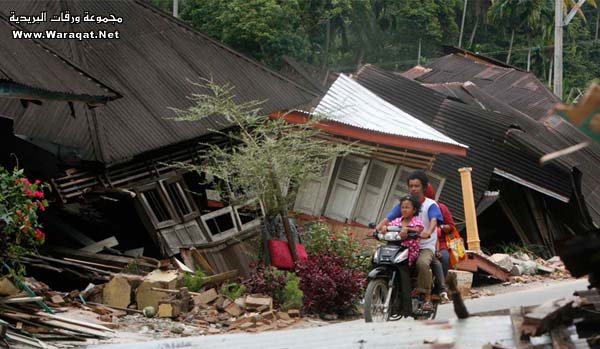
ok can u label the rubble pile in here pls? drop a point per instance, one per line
(523, 267)
(154, 304)
(564, 323)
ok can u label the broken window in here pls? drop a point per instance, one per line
(167, 202)
(179, 199)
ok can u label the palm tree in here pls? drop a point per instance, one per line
(514, 15)
(481, 9)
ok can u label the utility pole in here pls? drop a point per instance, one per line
(419, 54)
(559, 23)
(558, 48)
(462, 25)
(176, 8)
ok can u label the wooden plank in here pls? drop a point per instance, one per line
(220, 277)
(117, 308)
(99, 246)
(202, 261)
(181, 266)
(21, 300)
(135, 252)
(101, 257)
(186, 255)
(93, 264)
(60, 261)
(31, 342)
(76, 322)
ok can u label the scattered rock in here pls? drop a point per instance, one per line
(149, 311)
(329, 317)
(283, 315)
(57, 299)
(294, 313)
(117, 292)
(178, 328)
(234, 310)
(255, 301)
(206, 297)
(503, 260)
(7, 287)
(464, 281)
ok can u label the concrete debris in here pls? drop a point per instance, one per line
(503, 260)
(464, 281)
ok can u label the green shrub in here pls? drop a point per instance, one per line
(233, 290)
(320, 240)
(194, 282)
(292, 294)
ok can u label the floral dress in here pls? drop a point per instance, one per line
(412, 244)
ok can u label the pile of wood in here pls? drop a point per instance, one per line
(565, 323)
(88, 266)
(33, 317)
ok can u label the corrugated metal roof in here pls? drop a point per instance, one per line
(40, 73)
(533, 138)
(517, 88)
(151, 65)
(350, 103)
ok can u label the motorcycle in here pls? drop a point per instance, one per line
(388, 295)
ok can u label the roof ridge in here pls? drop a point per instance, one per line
(220, 44)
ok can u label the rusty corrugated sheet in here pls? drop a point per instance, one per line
(518, 89)
(536, 138)
(151, 66)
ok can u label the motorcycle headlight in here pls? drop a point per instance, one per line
(376, 256)
(401, 256)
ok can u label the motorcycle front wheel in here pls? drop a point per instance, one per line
(375, 296)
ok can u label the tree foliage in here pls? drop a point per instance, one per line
(339, 34)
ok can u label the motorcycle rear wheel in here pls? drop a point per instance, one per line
(375, 301)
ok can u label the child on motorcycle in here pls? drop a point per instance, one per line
(410, 223)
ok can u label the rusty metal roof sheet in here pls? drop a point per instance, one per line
(535, 138)
(151, 65)
(29, 70)
(517, 88)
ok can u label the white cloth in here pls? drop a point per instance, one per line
(427, 244)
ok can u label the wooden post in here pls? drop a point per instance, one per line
(470, 213)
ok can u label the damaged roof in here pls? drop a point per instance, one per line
(350, 103)
(535, 138)
(153, 65)
(31, 71)
(516, 88)
(484, 131)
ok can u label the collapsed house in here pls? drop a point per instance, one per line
(505, 117)
(113, 178)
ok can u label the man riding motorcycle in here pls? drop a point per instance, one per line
(431, 215)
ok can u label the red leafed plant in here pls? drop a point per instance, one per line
(20, 201)
(329, 286)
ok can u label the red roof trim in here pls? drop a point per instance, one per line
(340, 129)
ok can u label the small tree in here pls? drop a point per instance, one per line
(269, 158)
